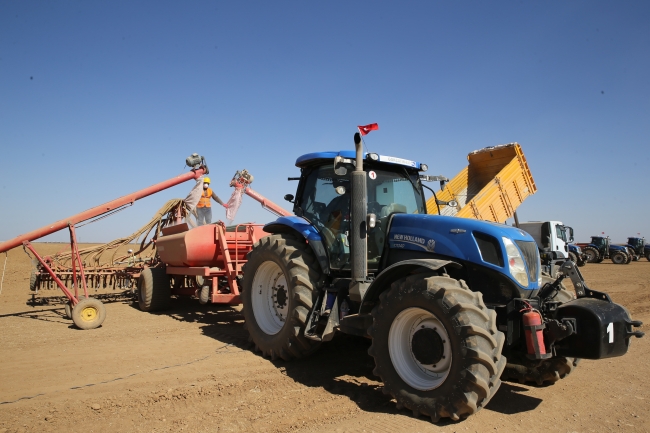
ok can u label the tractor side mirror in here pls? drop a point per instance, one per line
(289, 198)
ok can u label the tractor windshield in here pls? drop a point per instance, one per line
(325, 201)
(598, 241)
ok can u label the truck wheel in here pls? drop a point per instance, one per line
(436, 347)
(549, 370)
(620, 258)
(592, 255)
(154, 290)
(279, 290)
(89, 313)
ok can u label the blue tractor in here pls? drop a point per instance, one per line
(576, 254)
(452, 305)
(600, 248)
(638, 248)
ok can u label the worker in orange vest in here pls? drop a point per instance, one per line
(204, 209)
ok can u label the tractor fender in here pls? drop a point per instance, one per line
(395, 272)
(301, 227)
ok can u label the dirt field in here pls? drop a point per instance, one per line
(190, 369)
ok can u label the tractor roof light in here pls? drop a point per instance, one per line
(424, 167)
(373, 156)
(516, 265)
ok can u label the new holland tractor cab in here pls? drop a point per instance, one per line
(601, 248)
(448, 302)
(638, 248)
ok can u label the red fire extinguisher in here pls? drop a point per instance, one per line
(533, 327)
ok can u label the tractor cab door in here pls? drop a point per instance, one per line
(324, 199)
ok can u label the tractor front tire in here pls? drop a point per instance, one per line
(592, 255)
(549, 370)
(647, 256)
(154, 290)
(279, 289)
(620, 258)
(436, 347)
(573, 257)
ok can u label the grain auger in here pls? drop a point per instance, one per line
(73, 271)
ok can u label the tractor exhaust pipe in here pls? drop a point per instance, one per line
(359, 207)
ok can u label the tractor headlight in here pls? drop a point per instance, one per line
(516, 264)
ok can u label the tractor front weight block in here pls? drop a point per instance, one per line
(603, 329)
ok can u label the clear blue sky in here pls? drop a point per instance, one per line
(99, 99)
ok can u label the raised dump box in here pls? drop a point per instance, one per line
(493, 185)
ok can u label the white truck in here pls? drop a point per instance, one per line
(552, 238)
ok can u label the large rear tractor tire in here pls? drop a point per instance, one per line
(279, 289)
(89, 313)
(549, 370)
(436, 347)
(592, 255)
(620, 258)
(154, 290)
(647, 256)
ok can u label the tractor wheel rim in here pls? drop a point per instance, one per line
(88, 314)
(405, 357)
(269, 297)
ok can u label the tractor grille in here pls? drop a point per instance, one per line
(529, 249)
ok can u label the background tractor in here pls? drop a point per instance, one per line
(452, 305)
(601, 248)
(577, 255)
(637, 248)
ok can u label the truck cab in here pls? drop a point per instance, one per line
(550, 236)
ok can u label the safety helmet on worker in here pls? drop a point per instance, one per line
(206, 180)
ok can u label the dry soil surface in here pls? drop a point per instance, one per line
(191, 369)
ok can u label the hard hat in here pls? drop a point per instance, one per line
(206, 180)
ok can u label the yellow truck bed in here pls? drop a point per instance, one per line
(490, 188)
